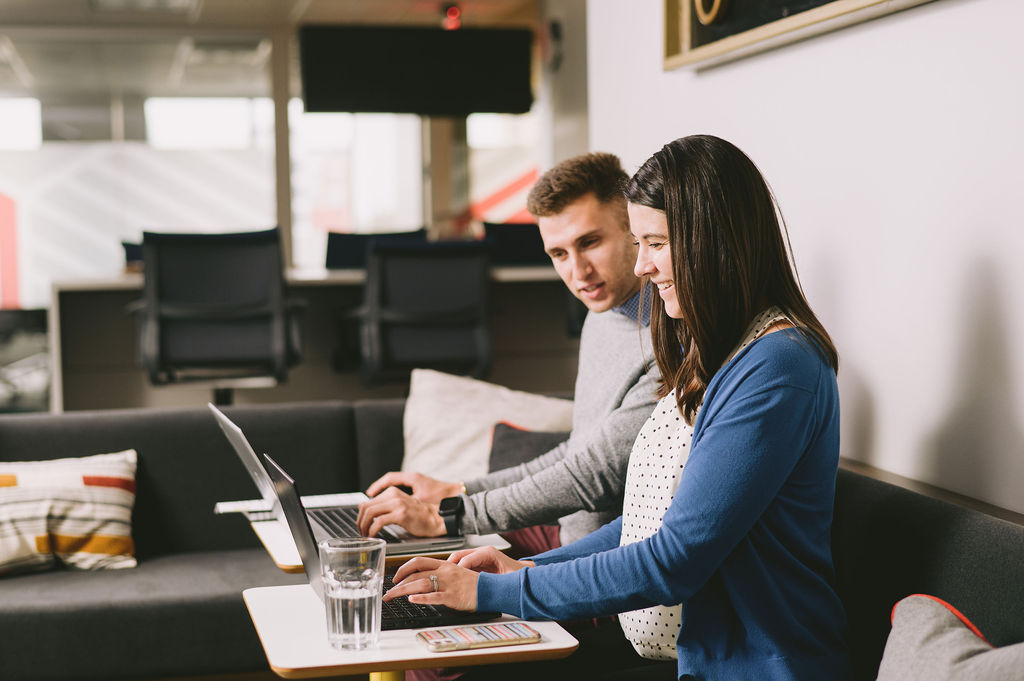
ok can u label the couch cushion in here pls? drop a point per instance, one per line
(931, 640)
(889, 543)
(448, 422)
(511, 446)
(186, 464)
(171, 616)
(379, 437)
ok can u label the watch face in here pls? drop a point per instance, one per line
(451, 505)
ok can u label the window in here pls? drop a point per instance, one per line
(352, 173)
(503, 165)
(109, 137)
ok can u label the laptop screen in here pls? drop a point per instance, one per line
(298, 522)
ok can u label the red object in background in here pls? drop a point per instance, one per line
(480, 208)
(8, 254)
(452, 18)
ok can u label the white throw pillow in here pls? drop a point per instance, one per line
(449, 419)
(77, 511)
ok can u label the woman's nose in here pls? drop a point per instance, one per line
(643, 263)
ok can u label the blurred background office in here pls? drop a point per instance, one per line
(125, 116)
(894, 146)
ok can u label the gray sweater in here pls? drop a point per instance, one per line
(581, 481)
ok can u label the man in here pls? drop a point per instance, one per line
(582, 218)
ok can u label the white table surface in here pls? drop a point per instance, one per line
(277, 539)
(291, 625)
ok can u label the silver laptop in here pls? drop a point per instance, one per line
(397, 614)
(326, 521)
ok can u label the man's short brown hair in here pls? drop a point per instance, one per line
(598, 173)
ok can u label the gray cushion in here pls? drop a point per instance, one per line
(513, 446)
(930, 642)
(171, 616)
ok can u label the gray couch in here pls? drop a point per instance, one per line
(180, 612)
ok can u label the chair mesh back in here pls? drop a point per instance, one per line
(432, 302)
(215, 300)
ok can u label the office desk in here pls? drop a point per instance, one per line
(292, 627)
(277, 540)
(94, 349)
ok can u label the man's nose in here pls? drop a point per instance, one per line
(580, 267)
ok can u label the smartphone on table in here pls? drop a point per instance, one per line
(478, 636)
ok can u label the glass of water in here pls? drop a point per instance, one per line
(353, 577)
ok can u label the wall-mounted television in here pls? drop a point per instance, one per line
(405, 69)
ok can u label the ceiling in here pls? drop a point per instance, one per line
(78, 50)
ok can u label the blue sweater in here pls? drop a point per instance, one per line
(745, 545)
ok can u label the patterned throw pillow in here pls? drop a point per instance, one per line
(77, 511)
(932, 641)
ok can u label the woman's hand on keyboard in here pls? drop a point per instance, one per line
(456, 586)
(395, 507)
(488, 559)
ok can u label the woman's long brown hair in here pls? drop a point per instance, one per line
(729, 261)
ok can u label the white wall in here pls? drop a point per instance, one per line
(896, 150)
(562, 87)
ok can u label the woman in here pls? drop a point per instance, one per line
(728, 507)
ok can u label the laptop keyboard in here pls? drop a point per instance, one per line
(401, 614)
(341, 522)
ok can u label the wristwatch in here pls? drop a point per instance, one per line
(452, 509)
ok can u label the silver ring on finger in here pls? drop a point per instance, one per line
(433, 582)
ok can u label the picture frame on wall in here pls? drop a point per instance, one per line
(704, 33)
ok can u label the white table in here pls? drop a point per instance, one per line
(277, 539)
(291, 625)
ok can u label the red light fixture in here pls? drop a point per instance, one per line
(452, 18)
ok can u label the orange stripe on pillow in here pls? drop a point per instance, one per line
(94, 543)
(126, 484)
(956, 613)
(8, 480)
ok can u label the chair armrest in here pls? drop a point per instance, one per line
(295, 304)
(135, 307)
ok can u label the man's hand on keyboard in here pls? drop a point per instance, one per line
(423, 487)
(435, 582)
(395, 507)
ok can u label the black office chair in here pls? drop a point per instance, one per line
(350, 251)
(515, 243)
(214, 310)
(425, 306)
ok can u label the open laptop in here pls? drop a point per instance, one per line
(397, 614)
(326, 521)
